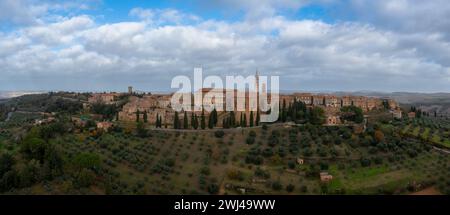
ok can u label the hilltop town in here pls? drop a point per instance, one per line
(135, 143)
(151, 106)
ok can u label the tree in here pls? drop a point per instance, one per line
(85, 164)
(352, 113)
(195, 123)
(317, 116)
(137, 116)
(185, 121)
(244, 121)
(34, 148)
(283, 111)
(213, 188)
(211, 121)
(6, 163)
(379, 136)
(203, 120)
(145, 117)
(219, 134)
(192, 120)
(214, 117)
(157, 121)
(141, 131)
(257, 118)
(251, 119)
(241, 121)
(176, 121)
(232, 119)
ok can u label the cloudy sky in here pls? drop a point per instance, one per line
(322, 45)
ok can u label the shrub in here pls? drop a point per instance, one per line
(290, 188)
(213, 188)
(277, 185)
(219, 134)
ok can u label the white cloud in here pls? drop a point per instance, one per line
(163, 16)
(79, 53)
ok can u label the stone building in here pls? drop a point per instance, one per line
(332, 101)
(106, 98)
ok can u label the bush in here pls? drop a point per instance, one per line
(213, 188)
(365, 162)
(250, 140)
(277, 185)
(219, 134)
(264, 127)
(290, 188)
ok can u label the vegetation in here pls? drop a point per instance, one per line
(388, 157)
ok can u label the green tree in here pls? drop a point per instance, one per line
(195, 125)
(244, 121)
(34, 148)
(157, 121)
(145, 117)
(258, 118)
(232, 119)
(84, 165)
(203, 120)
(251, 119)
(185, 121)
(211, 121)
(352, 113)
(6, 163)
(214, 117)
(176, 121)
(141, 131)
(317, 116)
(192, 120)
(137, 116)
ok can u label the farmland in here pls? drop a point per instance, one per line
(388, 157)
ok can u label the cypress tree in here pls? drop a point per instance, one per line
(232, 119)
(203, 122)
(214, 117)
(241, 121)
(157, 120)
(244, 122)
(211, 121)
(137, 116)
(283, 111)
(192, 119)
(195, 123)
(145, 116)
(251, 119)
(175, 121)
(257, 118)
(185, 121)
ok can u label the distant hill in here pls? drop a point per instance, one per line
(12, 94)
(430, 102)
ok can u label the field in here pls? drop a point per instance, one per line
(388, 157)
(198, 162)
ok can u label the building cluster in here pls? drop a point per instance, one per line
(106, 98)
(158, 106)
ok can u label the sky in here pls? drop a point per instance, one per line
(322, 45)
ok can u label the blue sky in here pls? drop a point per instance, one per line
(321, 45)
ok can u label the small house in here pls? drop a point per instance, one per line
(325, 177)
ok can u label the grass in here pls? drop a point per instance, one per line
(365, 173)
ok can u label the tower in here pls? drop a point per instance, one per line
(257, 89)
(130, 90)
